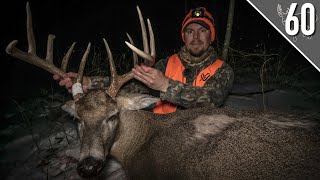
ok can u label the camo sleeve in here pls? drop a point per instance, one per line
(162, 65)
(214, 92)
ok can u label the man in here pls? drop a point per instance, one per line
(191, 78)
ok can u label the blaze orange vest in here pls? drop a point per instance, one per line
(174, 70)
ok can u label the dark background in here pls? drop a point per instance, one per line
(90, 21)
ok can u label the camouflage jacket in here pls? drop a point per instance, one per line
(214, 92)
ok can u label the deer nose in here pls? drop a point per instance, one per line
(89, 167)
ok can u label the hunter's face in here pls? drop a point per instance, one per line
(197, 39)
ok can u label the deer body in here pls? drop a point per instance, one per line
(240, 149)
(203, 143)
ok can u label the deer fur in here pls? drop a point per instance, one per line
(200, 143)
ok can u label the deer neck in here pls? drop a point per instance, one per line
(133, 132)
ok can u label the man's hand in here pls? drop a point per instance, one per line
(151, 77)
(70, 79)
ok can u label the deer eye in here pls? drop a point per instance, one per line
(113, 117)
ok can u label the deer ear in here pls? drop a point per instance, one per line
(135, 101)
(70, 107)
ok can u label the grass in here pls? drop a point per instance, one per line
(278, 65)
(278, 68)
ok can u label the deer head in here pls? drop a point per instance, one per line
(98, 111)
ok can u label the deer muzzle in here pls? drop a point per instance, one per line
(90, 167)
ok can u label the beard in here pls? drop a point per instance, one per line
(196, 48)
(196, 53)
(194, 56)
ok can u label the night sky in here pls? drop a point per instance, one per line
(90, 21)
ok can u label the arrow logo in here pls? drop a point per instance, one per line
(205, 77)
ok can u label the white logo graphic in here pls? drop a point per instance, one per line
(292, 20)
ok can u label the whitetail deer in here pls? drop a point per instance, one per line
(200, 143)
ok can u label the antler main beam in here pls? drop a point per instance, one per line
(33, 59)
(47, 63)
(31, 56)
(116, 80)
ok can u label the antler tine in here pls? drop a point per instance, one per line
(116, 80)
(111, 62)
(83, 63)
(49, 56)
(31, 56)
(144, 31)
(66, 57)
(135, 56)
(77, 91)
(152, 44)
(31, 40)
(149, 59)
(112, 88)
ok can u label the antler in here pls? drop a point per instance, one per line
(116, 80)
(47, 63)
(149, 58)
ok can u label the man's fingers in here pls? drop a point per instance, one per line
(138, 68)
(140, 79)
(148, 72)
(56, 77)
(141, 76)
(72, 75)
(65, 81)
(68, 75)
(146, 68)
(62, 83)
(69, 85)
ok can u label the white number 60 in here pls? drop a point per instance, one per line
(291, 18)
